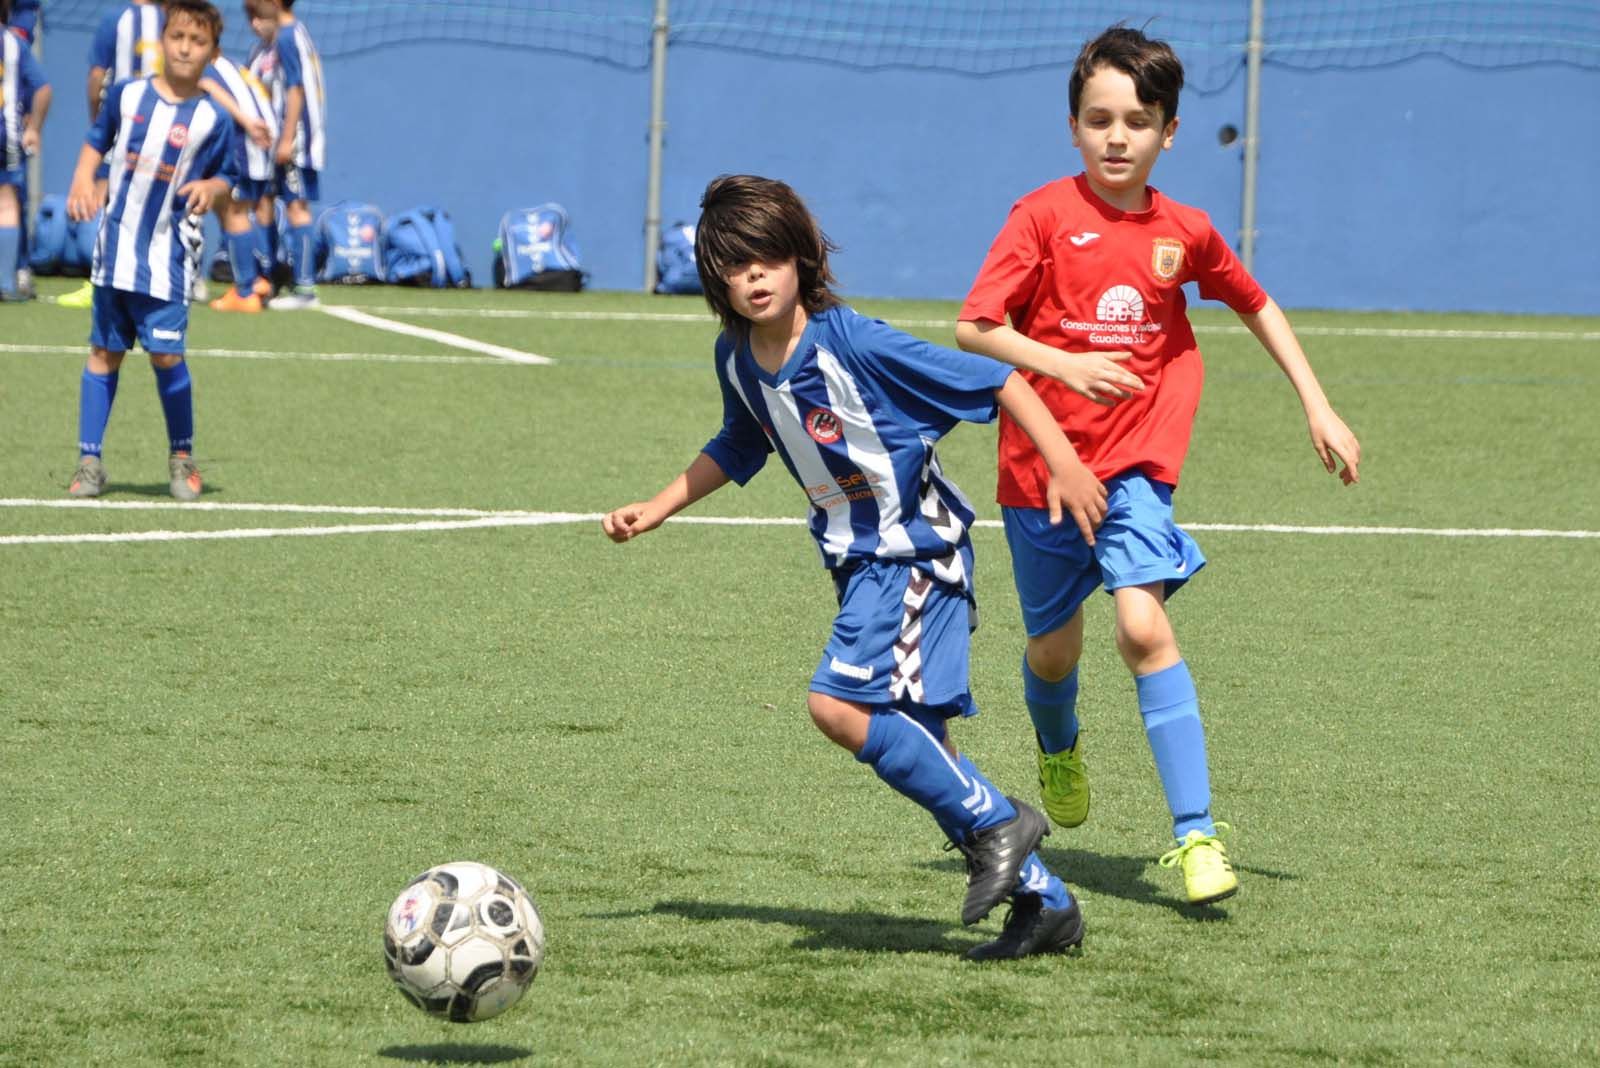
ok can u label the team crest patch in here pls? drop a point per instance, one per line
(178, 136)
(823, 426)
(1166, 258)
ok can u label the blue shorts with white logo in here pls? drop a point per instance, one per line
(901, 640)
(120, 318)
(1137, 543)
(295, 183)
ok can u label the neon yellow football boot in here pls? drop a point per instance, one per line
(82, 297)
(1207, 875)
(1064, 785)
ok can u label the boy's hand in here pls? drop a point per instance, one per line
(256, 130)
(1333, 442)
(284, 153)
(199, 194)
(81, 203)
(30, 142)
(1098, 376)
(628, 521)
(1079, 492)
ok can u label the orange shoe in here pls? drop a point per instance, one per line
(231, 301)
(262, 287)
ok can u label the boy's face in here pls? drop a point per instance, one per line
(186, 47)
(263, 17)
(1120, 137)
(765, 293)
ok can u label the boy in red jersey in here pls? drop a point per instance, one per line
(1088, 271)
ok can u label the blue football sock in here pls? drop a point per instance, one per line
(300, 256)
(242, 256)
(95, 394)
(1035, 878)
(266, 248)
(1171, 712)
(177, 404)
(1053, 707)
(10, 249)
(908, 757)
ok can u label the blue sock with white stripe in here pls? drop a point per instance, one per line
(177, 404)
(266, 248)
(242, 256)
(908, 757)
(95, 394)
(300, 255)
(1033, 877)
(1053, 707)
(1171, 711)
(10, 249)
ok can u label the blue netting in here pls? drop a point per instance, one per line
(974, 37)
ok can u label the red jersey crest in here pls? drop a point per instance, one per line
(823, 426)
(1166, 258)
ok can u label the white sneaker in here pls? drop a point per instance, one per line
(199, 293)
(296, 299)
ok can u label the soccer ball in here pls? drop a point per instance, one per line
(463, 941)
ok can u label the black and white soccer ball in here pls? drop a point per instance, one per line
(463, 941)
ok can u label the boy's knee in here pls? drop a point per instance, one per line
(843, 722)
(1051, 657)
(1145, 639)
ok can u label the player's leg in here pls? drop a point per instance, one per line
(83, 296)
(111, 333)
(265, 226)
(1144, 557)
(300, 188)
(163, 326)
(1054, 572)
(238, 230)
(10, 235)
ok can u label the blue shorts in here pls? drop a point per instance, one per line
(120, 318)
(250, 190)
(18, 178)
(295, 183)
(1137, 543)
(900, 640)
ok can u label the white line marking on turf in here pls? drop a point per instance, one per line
(447, 519)
(263, 354)
(351, 315)
(1441, 333)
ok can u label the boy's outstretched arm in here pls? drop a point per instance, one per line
(1099, 376)
(1073, 486)
(81, 202)
(700, 478)
(1329, 436)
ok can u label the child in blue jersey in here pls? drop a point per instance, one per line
(24, 102)
(241, 94)
(127, 44)
(172, 149)
(288, 62)
(853, 408)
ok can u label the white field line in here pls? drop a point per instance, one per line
(265, 354)
(456, 341)
(706, 320)
(425, 520)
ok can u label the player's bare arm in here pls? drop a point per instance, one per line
(294, 105)
(35, 123)
(1072, 487)
(700, 478)
(81, 200)
(1099, 376)
(96, 85)
(1329, 436)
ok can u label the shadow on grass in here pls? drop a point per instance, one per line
(455, 1053)
(872, 932)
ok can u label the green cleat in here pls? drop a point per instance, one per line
(82, 297)
(89, 479)
(1064, 785)
(1207, 875)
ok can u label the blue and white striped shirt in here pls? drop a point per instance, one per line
(128, 43)
(289, 62)
(20, 77)
(148, 242)
(854, 414)
(254, 100)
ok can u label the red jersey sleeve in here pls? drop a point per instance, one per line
(1011, 272)
(1222, 276)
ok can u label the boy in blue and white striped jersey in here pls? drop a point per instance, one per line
(172, 149)
(24, 102)
(239, 92)
(127, 44)
(290, 66)
(853, 407)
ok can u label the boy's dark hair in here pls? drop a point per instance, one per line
(748, 219)
(1153, 65)
(202, 11)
